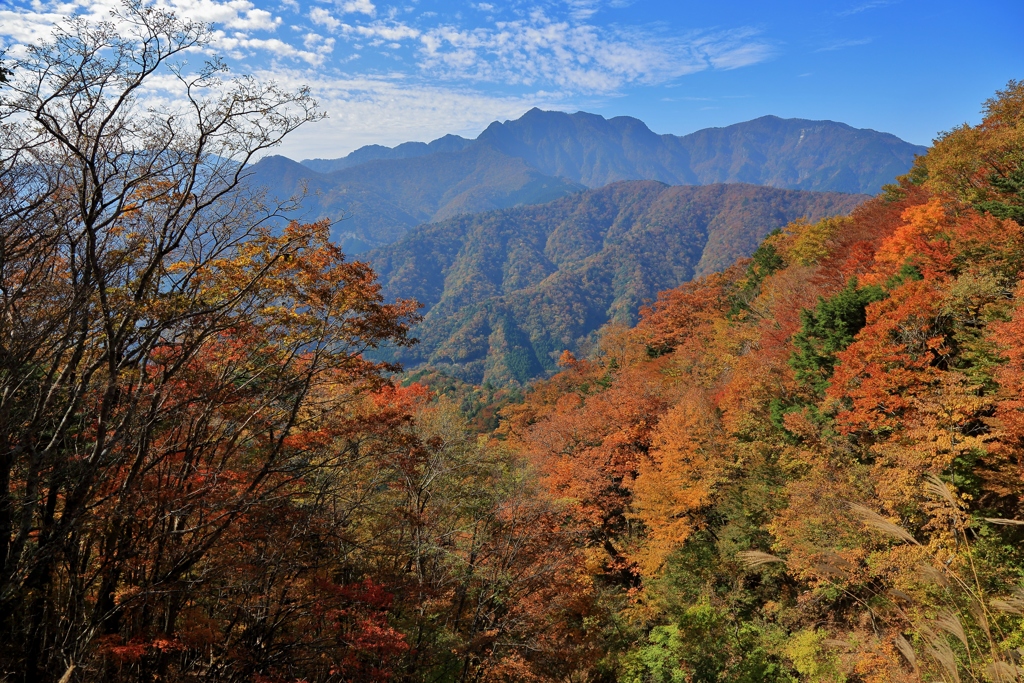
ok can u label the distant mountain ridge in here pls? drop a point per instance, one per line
(376, 202)
(406, 150)
(795, 154)
(383, 192)
(589, 149)
(506, 291)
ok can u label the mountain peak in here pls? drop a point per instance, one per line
(589, 149)
(275, 163)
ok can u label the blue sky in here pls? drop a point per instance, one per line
(387, 72)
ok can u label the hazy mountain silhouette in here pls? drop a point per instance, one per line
(406, 150)
(376, 202)
(790, 153)
(382, 191)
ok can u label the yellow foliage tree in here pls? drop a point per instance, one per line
(677, 482)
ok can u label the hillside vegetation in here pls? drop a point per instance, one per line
(383, 192)
(810, 466)
(506, 292)
(805, 468)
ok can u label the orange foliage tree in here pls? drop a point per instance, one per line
(822, 445)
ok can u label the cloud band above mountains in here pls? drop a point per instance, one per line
(383, 72)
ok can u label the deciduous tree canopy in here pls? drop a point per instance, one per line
(809, 467)
(806, 467)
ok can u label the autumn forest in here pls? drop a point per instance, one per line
(805, 466)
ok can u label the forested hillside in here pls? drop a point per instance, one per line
(506, 292)
(382, 192)
(406, 150)
(810, 466)
(807, 467)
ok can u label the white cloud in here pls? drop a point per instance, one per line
(33, 22)
(235, 22)
(239, 45)
(394, 109)
(555, 57)
(584, 9)
(387, 31)
(311, 40)
(29, 28)
(235, 14)
(863, 7)
(358, 7)
(579, 56)
(321, 17)
(733, 49)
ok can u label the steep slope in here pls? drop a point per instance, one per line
(590, 149)
(799, 154)
(801, 458)
(506, 291)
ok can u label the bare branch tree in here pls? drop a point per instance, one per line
(123, 217)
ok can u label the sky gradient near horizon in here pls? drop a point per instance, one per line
(388, 72)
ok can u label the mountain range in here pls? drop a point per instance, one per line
(378, 193)
(506, 291)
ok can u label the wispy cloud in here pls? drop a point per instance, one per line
(585, 9)
(27, 27)
(384, 30)
(579, 56)
(865, 6)
(233, 14)
(843, 44)
(33, 22)
(393, 109)
(452, 74)
(321, 17)
(564, 51)
(240, 45)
